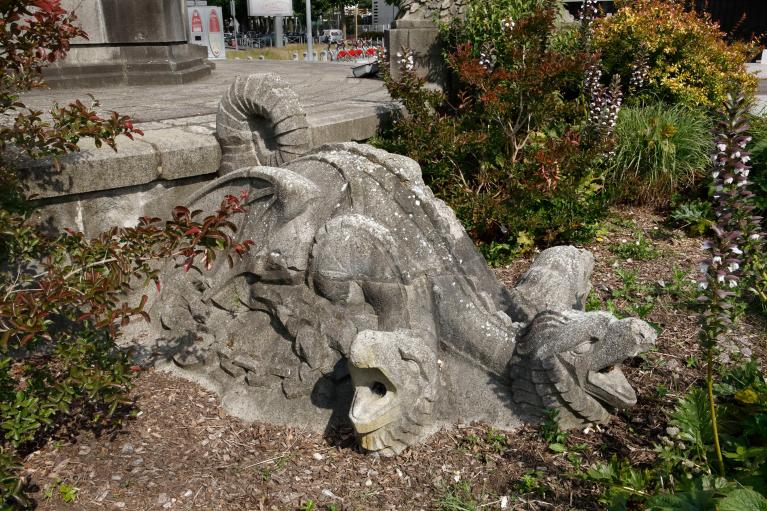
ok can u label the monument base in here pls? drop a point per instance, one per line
(423, 38)
(134, 64)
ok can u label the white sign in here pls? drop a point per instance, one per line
(207, 29)
(270, 7)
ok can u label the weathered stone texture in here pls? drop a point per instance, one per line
(261, 122)
(364, 297)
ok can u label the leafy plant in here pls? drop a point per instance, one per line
(696, 216)
(309, 505)
(530, 482)
(660, 150)
(63, 297)
(493, 442)
(67, 493)
(551, 433)
(682, 475)
(638, 249)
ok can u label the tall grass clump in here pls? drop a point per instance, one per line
(758, 176)
(660, 150)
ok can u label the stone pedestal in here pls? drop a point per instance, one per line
(129, 42)
(422, 37)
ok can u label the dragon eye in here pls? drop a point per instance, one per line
(585, 347)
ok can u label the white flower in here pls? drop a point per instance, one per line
(715, 174)
(717, 260)
(720, 279)
(703, 285)
(733, 283)
(736, 250)
(733, 267)
(746, 158)
(721, 147)
(703, 268)
(754, 237)
(728, 180)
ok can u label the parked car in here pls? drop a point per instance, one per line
(331, 36)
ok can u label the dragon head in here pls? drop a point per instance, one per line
(569, 361)
(396, 378)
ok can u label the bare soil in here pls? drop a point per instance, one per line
(181, 451)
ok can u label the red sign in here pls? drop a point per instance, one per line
(215, 25)
(196, 21)
(215, 41)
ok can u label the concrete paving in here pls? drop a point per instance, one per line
(179, 122)
(326, 90)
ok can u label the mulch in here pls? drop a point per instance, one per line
(182, 451)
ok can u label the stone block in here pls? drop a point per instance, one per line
(95, 66)
(182, 154)
(95, 212)
(93, 169)
(427, 52)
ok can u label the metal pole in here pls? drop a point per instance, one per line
(309, 42)
(235, 25)
(278, 32)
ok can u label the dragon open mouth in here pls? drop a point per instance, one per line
(375, 402)
(611, 387)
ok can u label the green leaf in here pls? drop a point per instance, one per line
(694, 500)
(744, 499)
(557, 448)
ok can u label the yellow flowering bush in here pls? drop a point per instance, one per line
(689, 60)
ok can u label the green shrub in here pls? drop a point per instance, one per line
(660, 150)
(63, 297)
(484, 23)
(507, 149)
(689, 60)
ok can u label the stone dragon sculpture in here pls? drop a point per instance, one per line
(364, 299)
(431, 10)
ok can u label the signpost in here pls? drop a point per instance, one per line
(276, 8)
(270, 8)
(309, 42)
(235, 25)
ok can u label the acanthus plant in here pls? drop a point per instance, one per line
(604, 101)
(736, 242)
(639, 71)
